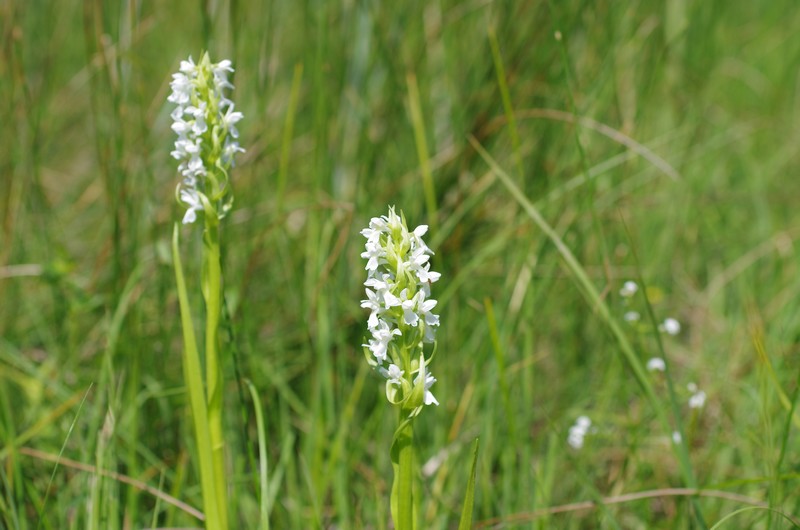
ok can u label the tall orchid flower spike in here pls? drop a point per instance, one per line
(205, 121)
(401, 324)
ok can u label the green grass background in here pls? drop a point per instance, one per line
(686, 177)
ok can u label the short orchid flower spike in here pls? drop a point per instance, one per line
(401, 321)
(205, 121)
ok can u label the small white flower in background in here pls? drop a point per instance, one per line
(656, 364)
(676, 437)
(631, 316)
(205, 121)
(578, 432)
(398, 289)
(629, 289)
(698, 398)
(670, 326)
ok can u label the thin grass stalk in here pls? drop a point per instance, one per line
(598, 227)
(465, 523)
(60, 454)
(499, 355)
(506, 96)
(246, 444)
(343, 429)
(197, 400)
(286, 141)
(262, 459)
(418, 123)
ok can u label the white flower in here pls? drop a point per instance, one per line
(676, 437)
(575, 439)
(393, 374)
(629, 289)
(656, 364)
(220, 71)
(229, 119)
(390, 300)
(382, 284)
(180, 126)
(426, 275)
(382, 335)
(410, 315)
(425, 311)
(631, 316)
(188, 67)
(373, 253)
(181, 86)
(578, 432)
(429, 381)
(191, 199)
(373, 302)
(229, 151)
(697, 400)
(377, 226)
(671, 326)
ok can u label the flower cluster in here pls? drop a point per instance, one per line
(698, 398)
(578, 432)
(205, 123)
(399, 299)
(629, 289)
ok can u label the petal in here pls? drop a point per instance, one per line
(430, 399)
(190, 216)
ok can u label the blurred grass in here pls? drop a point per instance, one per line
(333, 135)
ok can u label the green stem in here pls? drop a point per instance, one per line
(403, 485)
(212, 282)
(194, 383)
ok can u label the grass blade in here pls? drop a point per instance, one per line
(469, 496)
(194, 383)
(262, 458)
(418, 122)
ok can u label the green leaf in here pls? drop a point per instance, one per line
(262, 457)
(469, 497)
(193, 373)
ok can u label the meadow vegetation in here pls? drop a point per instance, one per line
(555, 149)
